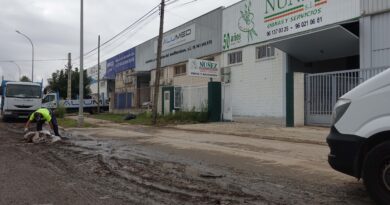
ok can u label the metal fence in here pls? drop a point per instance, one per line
(123, 100)
(133, 98)
(192, 98)
(323, 89)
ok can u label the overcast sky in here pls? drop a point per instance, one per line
(54, 27)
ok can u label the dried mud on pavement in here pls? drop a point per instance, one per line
(147, 169)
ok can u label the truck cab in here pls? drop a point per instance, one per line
(20, 99)
(359, 139)
(53, 101)
(50, 101)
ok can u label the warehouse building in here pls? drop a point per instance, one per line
(93, 73)
(284, 62)
(196, 39)
(294, 59)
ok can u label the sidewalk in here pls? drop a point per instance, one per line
(310, 135)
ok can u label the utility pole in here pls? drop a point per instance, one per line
(69, 89)
(81, 83)
(158, 67)
(98, 76)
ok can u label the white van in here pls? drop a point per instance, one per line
(360, 135)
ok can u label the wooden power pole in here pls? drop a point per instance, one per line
(69, 89)
(158, 67)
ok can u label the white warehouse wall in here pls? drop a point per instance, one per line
(258, 85)
(374, 41)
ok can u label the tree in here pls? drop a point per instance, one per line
(25, 79)
(59, 83)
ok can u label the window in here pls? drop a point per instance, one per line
(180, 70)
(178, 97)
(48, 98)
(265, 52)
(23, 91)
(235, 57)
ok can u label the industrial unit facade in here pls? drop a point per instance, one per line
(196, 39)
(289, 61)
(281, 61)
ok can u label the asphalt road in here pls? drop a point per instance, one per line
(162, 166)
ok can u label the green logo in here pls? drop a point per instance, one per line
(245, 23)
(230, 39)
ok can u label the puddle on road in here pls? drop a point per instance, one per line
(147, 167)
(159, 169)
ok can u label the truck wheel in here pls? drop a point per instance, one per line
(376, 173)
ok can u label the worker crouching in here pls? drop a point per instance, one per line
(41, 116)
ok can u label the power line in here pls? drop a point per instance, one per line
(38, 60)
(127, 29)
(123, 31)
(131, 31)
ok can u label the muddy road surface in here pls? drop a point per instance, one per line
(142, 165)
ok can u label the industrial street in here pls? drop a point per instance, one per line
(225, 102)
(122, 164)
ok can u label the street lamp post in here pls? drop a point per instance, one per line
(20, 70)
(81, 83)
(32, 62)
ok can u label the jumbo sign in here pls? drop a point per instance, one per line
(254, 21)
(283, 17)
(177, 38)
(203, 68)
(274, 5)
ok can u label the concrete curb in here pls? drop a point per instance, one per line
(283, 139)
(237, 134)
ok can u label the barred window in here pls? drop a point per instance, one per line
(265, 52)
(235, 57)
(180, 70)
(178, 97)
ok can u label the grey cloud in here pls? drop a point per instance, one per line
(54, 27)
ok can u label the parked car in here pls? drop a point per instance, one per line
(360, 136)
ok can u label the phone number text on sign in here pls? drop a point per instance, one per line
(295, 28)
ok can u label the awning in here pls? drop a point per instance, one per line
(329, 43)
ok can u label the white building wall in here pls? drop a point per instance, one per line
(92, 73)
(196, 86)
(375, 41)
(299, 99)
(374, 6)
(257, 85)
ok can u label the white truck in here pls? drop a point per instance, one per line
(359, 139)
(53, 101)
(19, 99)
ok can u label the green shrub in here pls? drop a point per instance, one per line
(185, 117)
(60, 111)
(145, 118)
